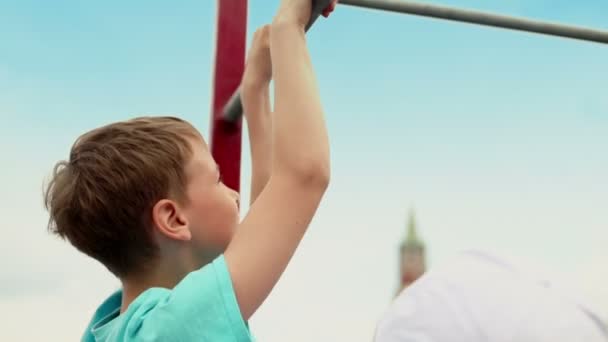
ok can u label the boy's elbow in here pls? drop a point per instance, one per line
(319, 175)
(314, 175)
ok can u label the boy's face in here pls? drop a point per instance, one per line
(213, 208)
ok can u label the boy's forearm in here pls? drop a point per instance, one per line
(256, 105)
(300, 144)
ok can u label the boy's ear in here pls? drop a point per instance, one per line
(170, 220)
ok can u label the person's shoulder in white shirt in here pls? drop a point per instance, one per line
(479, 296)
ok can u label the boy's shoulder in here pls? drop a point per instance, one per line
(202, 306)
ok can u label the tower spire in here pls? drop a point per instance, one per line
(411, 227)
(411, 237)
(412, 254)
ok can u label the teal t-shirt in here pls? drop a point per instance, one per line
(202, 307)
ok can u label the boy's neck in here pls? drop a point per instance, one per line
(135, 286)
(159, 277)
(162, 276)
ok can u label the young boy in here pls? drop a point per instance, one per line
(145, 198)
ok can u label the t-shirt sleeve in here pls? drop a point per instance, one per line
(202, 307)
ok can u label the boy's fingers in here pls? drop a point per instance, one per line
(260, 36)
(330, 8)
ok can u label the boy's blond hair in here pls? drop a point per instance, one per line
(101, 198)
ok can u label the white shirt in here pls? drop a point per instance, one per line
(481, 297)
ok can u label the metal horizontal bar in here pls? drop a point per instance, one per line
(234, 109)
(482, 18)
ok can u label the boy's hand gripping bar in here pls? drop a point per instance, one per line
(234, 107)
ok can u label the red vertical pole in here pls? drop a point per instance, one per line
(225, 137)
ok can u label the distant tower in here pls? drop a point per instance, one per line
(412, 263)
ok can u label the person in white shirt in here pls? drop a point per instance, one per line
(478, 296)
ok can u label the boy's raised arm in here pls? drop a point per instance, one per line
(256, 107)
(277, 221)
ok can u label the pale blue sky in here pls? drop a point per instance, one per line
(498, 139)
